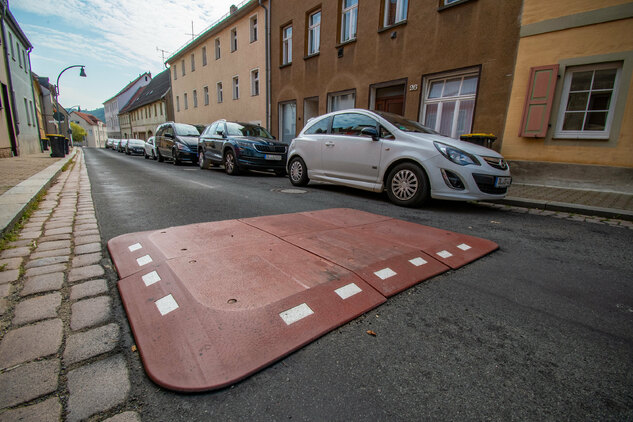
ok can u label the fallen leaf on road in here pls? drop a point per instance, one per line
(134, 348)
(371, 333)
(494, 222)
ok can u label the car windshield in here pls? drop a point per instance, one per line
(238, 129)
(186, 130)
(405, 124)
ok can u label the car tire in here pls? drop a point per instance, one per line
(174, 155)
(407, 185)
(153, 156)
(203, 162)
(146, 156)
(127, 152)
(230, 164)
(160, 157)
(298, 172)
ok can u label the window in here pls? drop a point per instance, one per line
(449, 103)
(310, 108)
(205, 92)
(193, 63)
(253, 30)
(319, 127)
(255, 82)
(351, 124)
(195, 98)
(175, 73)
(11, 44)
(588, 101)
(204, 55)
(236, 87)
(155, 113)
(341, 101)
(233, 39)
(32, 113)
(19, 56)
(314, 33)
(287, 121)
(219, 89)
(183, 66)
(349, 16)
(186, 102)
(26, 67)
(217, 48)
(395, 11)
(26, 108)
(286, 45)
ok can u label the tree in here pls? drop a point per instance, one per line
(79, 133)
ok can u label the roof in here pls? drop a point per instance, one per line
(89, 118)
(154, 91)
(126, 107)
(235, 14)
(128, 86)
(18, 31)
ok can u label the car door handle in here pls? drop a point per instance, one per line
(329, 144)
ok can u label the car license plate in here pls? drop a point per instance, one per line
(503, 182)
(273, 157)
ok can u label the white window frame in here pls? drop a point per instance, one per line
(205, 91)
(255, 82)
(587, 134)
(428, 81)
(186, 101)
(333, 95)
(177, 103)
(193, 62)
(218, 87)
(204, 55)
(314, 34)
(236, 87)
(234, 39)
(286, 45)
(402, 8)
(281, 119)
(195, 98)
(182, 65)
(218, 52)
(253, 28)
(352, 11)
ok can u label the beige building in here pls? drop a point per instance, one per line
(96, 132)
(572, 94)
(221, 73)
(8, 138)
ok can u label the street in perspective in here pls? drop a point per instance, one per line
(333, 211)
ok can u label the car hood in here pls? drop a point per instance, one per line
(136, 143)
(465, 146)
(256, 140)
(192, 141)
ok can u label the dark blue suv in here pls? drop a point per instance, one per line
(241, 146)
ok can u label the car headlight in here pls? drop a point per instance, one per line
(244, 144)
(456, 155)
(183, 147)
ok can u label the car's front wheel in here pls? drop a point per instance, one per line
(202, 161)
(407, 185)
(174, 155)
(160, 157)
(146, 156)
(298, 172)
(230, 164)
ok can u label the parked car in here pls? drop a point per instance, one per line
(122, 145)
(380, 151)
(115, 144)
(109, 143)
(135, 146)
(150, 148)
(241, 146)
(177, 142)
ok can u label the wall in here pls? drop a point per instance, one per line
(144, 127)
(5, 133)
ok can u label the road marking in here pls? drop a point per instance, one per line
(295, 314)
(151, 278)
(418, 261)
(134, 247)
(348, 291)
(202, 184)
(144, 260)
(166, 304)
(445, 254)
(385, 273)
(463, 247)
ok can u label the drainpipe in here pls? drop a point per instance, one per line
(16, 126)
(268, 78)
(39, 129)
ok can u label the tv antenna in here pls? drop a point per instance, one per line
(192, 33)
(163, 52)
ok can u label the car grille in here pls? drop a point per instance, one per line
(498, 163)
(270, 148)
(486, 184)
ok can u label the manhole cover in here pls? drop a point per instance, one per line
(291, 191)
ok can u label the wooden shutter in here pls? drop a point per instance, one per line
(538, 101)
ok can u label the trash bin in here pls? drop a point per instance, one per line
(58, 147)
(44, 142)
(67, 145)
(483, 139)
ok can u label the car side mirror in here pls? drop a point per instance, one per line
(221, 133)
(371, 132)
(169, 135)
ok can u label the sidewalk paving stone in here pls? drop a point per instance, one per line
(45, 270)
(30, 235)
(48, 410)
(15, 252)
(87, 259)
(88, 248)
(88, 397)
(33, 341)
(42, 283)
(21, 242)
(9, 276)
(11, 263)
(90, 312)
(89, 288)
(4, 306)
(91, 343)
(89, 226)
(87, 239)
(82, 273)
(47, 261)
(52, 252)
(28, 382)
(47, 246)
(60, 230)
(125, 417)
(61, 224)
(4, 290)
(54, 238)
(37, 308)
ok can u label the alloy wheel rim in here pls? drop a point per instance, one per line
(404, 185)
(229, 162)
(296, 171)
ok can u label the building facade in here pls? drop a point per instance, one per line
(572, 96)
(96, 133)
(149, 109)
(17, 50)
(445, 63)
(8, 137)
(220, 74)
(114, 105)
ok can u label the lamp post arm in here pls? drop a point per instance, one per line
(59, 125)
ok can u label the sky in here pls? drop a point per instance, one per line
(117, 40)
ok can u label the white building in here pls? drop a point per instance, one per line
(96, 133)
(114, 105)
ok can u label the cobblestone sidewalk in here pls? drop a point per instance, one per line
(60, 352)
(17, 169)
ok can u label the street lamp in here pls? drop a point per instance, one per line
(82, 73)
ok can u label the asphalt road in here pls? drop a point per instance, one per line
(541, 329)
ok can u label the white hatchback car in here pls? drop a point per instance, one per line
(379, 151)
(150, 148)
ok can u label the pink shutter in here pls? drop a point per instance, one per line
(538, 101)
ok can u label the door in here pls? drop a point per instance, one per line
(346, 154)
(391, 105)
(9, 116)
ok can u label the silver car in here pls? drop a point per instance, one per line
(150, 148)
(380, 151)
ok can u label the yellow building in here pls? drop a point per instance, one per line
(220, 74)
(572, 98)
